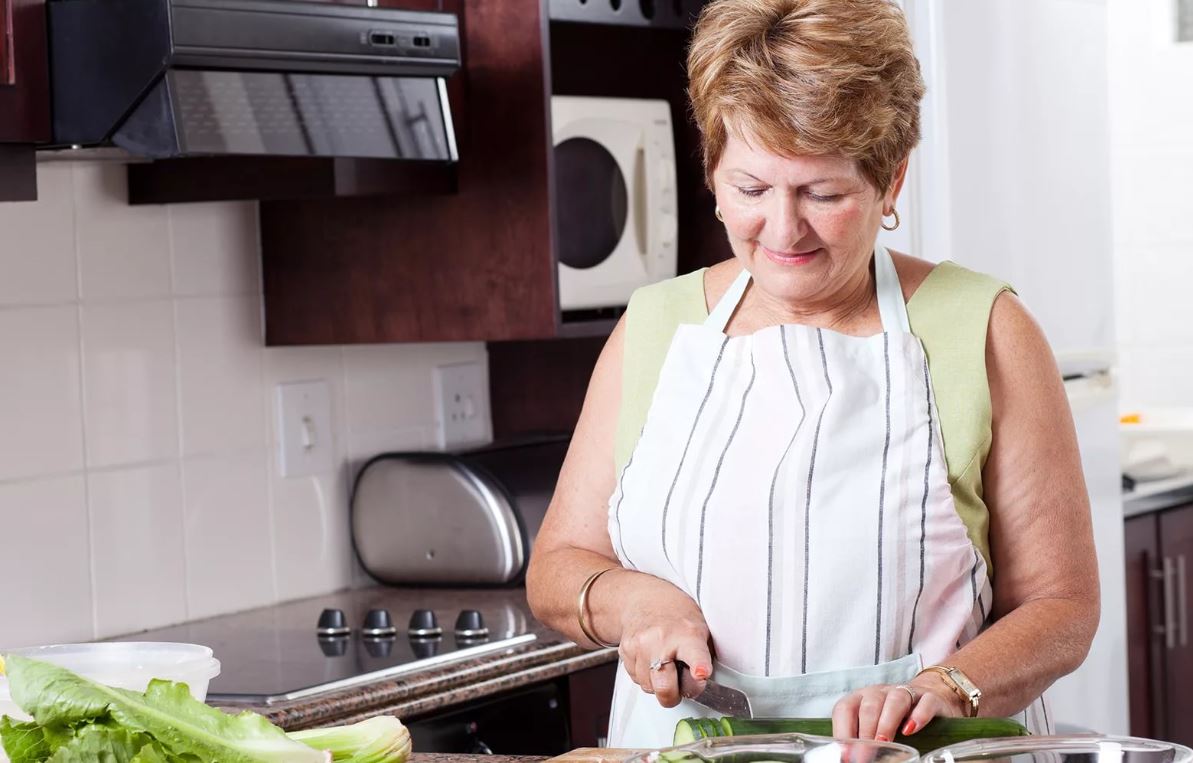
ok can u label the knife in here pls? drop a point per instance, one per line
(714, 696)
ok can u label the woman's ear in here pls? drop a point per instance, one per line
(892, 194)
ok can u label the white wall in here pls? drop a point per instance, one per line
(1151, 97)
(138, 484)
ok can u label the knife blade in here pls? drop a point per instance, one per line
(714, 696)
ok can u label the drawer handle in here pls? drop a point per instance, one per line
(1181, 602)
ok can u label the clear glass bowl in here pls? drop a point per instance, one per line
(784, 748)
(1086, 748)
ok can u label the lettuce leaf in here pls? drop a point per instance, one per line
(180, 724)
(377, 740)
(102, 744)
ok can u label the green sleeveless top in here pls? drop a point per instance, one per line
(949, 312)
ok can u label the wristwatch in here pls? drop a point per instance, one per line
(961, 685)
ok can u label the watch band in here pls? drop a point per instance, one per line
(970, 694)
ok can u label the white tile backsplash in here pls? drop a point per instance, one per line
(137, 549)
(37, 257)
(45, 563)
(130, 382)
(220, 365)
(229, 544)
(123, 250)
(140, 436)
(214, 247)
(40, 398)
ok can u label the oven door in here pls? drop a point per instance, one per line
(531, 721)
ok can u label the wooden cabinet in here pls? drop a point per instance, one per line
(1159, 554)
(24, 95)
(479, 264)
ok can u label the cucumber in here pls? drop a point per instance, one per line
(939, 733)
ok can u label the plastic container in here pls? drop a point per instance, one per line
(785, 748)
(1085, 748)
(124, 664)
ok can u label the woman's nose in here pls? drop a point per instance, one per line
(785, 223)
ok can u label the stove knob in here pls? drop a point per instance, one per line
(425, 647)
(378, 647)
(470, 625)
(333, 623)
(378, 624)
(333, 646)
(423, 624)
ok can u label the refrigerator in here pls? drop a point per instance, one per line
(1012, 178)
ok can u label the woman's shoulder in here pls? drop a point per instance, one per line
(681, 297)
(926, 283)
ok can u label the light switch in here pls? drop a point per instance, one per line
(304, 428)
(462, 395)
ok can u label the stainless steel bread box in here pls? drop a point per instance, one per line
(465, 518)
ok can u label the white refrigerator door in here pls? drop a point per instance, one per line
(1012, 177)
(1095, 696)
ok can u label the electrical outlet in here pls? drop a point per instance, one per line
(462, 398)
(304, 428)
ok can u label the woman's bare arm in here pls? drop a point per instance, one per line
(1046, 595)
(649, 617)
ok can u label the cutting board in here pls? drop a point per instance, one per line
(594, 755)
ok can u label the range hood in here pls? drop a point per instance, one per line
(184, 78)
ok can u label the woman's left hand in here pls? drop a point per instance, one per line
(879, 712)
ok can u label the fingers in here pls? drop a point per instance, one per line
(878, 712)
(897, 705)
(928, 707)
(665, 683)
(845, 714)
(693, 650)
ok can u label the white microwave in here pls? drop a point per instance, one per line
(614, 198)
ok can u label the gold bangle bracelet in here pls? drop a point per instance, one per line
(582, 609)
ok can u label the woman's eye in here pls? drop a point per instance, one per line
(824, 197)
(753, 193)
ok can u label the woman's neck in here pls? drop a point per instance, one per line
(850, 309)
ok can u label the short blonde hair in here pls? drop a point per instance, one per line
(807, 77)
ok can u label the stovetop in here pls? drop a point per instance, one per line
(300, 649)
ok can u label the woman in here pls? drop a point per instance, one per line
(841, 479)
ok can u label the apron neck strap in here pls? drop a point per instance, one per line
(891, 306)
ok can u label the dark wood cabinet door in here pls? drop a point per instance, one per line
(24, 72)
(1176, 549)
(590, 695)
(1144, 646)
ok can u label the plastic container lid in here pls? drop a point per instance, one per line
(129, 664)
(787, 748)
(1086, 748)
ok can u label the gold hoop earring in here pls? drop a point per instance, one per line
(894, 212)
(718, 215)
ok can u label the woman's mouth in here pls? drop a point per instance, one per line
(791, 258)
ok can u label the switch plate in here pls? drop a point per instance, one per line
(304, 428)
(462, 401)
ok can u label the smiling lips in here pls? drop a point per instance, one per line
(790, 258)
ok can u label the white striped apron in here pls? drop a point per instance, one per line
(793, 482)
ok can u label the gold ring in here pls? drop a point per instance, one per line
(910, 692)
(658, 664)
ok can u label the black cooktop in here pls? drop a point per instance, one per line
(281, 653)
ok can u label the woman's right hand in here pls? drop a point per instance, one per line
(661, 623)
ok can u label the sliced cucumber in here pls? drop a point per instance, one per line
(939, 733)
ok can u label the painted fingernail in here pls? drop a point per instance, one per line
(910, 728)
(701, 673)
(882, 738)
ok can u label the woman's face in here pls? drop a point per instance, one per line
(804, 227)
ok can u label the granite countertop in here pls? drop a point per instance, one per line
(245, 642)
(450, 757)
(1158, 495)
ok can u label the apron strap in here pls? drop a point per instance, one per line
(891, 306)
(719, 317)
